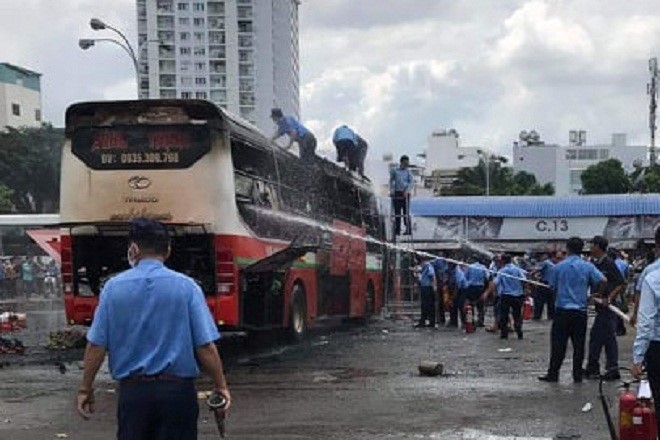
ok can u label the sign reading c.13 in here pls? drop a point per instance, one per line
(552, 225)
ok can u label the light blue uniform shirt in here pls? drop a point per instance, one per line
(287, 124)
(427, 276)
(545, 268)
(648, 318)
(401, 179)
(440, 266)
(476, 275)
(459, 278)
(150, 319)
(508, 285)
(344, 133)
(622, 266)
(572, 279)
(647, 270)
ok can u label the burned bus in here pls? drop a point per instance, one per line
(272, 241)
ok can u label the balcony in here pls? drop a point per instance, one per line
(218, 81)
(168, 80)
(216, 23)
(245, 27)
(218, 67)
(165, 22)
(166, 52)
(166, 37)
(246, 99)
(246, 70)
(217, 38)
(167, 66)
(216, 8)
(244, 41)
(165, 7)
(244, 12)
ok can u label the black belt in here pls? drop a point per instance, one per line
(156, 378)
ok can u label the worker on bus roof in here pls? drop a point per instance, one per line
(345, 140)
(297, 133)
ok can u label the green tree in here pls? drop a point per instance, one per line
(606, 177)
(472, 182)
(30, 168)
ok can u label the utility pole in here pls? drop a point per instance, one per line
(652, 91)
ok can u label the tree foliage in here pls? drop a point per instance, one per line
(503, 182)
(606, 177)
(30, 168)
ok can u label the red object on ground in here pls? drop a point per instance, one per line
(627, 404)
(528, 308)
(644, 427)
(469, 319)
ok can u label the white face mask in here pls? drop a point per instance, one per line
(132, 255)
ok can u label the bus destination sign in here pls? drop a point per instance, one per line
(134, 147)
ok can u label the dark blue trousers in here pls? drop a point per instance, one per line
(603, 335)
(428, 306)
(157, 410)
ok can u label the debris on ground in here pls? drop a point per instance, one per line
(587, 407)
(66, 339)
(61, 435)
(430, 368)
(12, 322)
(505, 350)
(11, 346)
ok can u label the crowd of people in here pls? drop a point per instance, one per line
(27, 277)
(562, 284)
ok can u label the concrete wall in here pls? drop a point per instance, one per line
(29, 102)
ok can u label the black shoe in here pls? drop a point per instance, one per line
(591, 374)
(520, 335)
(611, 376)
(504, 336)
(549, 379)
(419, 325)
(481, 324)
(452, 324)
(577, 379)
(408, 232)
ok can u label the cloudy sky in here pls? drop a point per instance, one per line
(398, 69)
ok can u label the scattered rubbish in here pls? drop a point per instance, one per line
(203, 395)
(11, 346)
(66, 339)
(505, 350)
(61, 435)
(430, 368)
(12, 322)
(587, 407)
(7, 421)
(386, 331)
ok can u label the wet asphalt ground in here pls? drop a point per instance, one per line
(357, 382)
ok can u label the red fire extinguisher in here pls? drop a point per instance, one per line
(627, 405)
(528, 308)
(469, 319)
(644, 425)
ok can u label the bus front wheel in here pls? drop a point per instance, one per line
(298, 315)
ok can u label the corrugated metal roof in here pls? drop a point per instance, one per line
(538, 206)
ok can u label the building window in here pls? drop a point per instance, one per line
(218, 81)
(587, 154)
(186, 95)
(246, 85)
(604, 154)
(244, 12)
(200, 66)
(571, 154)
(244, 56)
(184, 50)
(198, 22)
(185, 66)
(199, 36)
(575, 176)
(184, 36)
(200, 95)
(184, 21)
(244, 41)
(244, 26)
(186, 81)
(216, 23)
(200, 81)
(198, 7)
(182, 6)
(37, 115)
(217, 37)
(245, 70)
(15, 109)
(200, 51)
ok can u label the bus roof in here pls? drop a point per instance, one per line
(151, 111)
(29, 220)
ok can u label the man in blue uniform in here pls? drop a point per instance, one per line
(458, 286)
(401, 185)
(157, 330)
(544, 295)
(345, 141)
(509, 280)
(361, 154)
(288, 125)
(476, 276)
(440, 268)
(571, 278)
(428, 287)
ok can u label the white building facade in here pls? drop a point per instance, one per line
(241, 55)
(20, 97)
(562, 166)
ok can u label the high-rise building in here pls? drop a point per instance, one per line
(239, 54)
(20, 97)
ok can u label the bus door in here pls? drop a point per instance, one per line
(263, 296)
(348, 263)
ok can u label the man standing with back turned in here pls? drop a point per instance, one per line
(571, 279)
(155, 325)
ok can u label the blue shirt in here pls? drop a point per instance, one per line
(572, 279)
(287, 124)
(476, 275)
(459, 278)
(150, 319)
(427, 275)
(401, 179)
(508, 285)
(440, 266)
(344, 133)
(545, 268)
(648, 318)
(647, 270)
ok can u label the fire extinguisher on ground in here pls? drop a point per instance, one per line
(528, 308)
(469, 318)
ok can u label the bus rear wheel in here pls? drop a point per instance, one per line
(298, 315)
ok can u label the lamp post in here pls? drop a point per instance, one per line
(487, 157)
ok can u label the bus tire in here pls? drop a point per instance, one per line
(370, 301)
(298, 314)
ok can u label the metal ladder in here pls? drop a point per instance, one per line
(402, 294)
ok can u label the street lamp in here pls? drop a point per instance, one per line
(487, 157)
